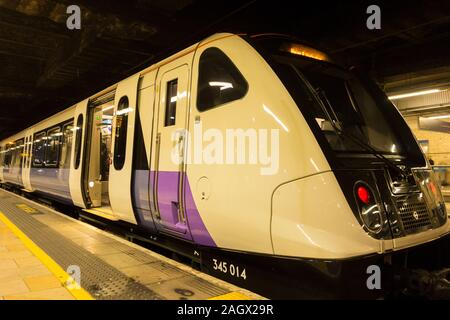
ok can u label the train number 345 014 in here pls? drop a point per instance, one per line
(229, 268)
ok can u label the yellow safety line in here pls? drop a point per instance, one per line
(231, 296)
(63, 277)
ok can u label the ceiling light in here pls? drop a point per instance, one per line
(439, 117)
(414, 94)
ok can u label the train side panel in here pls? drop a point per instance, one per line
(45, 177)
(312, 218)
(77, 151)
(142, 198)
(233, 196)
(122, 149)
(2, 155)
(27, 158)
(13, 156)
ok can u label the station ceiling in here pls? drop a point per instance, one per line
(45, 67)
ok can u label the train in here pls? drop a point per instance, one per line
(259, 157)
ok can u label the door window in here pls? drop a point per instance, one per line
(120, 144)
(66, 146)
(171, 103)
(18, 154)
(52, 147)
(78, 138)
(38, 149)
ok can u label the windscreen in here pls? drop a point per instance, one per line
(341, 104)
(348, 113)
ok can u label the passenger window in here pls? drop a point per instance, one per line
(18, 154)
(8, 155)
(171, 102)
(120, 143)
(66, 146)
(219, 81)
(38, 149)
(13, 155)
(52, 147)
(79, 135)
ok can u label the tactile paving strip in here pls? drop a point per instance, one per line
(100, 279)
(104, 283)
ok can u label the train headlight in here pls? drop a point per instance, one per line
(369, 209)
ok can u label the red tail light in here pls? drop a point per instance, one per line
(363, 194)
(369, 207)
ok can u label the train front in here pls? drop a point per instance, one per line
(382, 173)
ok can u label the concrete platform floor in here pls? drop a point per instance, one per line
(38, 246)
(22, 275)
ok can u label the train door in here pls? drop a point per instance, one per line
(27, 161)
(7, 160)
(2, 159)
(101, 117)
(77, 187)
(123, 131)
(9, 163)
(18, 162)
(172, 111)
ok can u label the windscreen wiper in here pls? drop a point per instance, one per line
(322, 98)
(338, 128)
(373, 151)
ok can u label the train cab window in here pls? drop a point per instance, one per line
(52, 146)
(39, 149)
(66, 146)
(78, 137)
(171, 103)
(120, 143)
(219, 81)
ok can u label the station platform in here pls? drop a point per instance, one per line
(45, 255)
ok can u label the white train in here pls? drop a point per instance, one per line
(256, 156)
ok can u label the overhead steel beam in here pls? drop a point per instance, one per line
(32, 25)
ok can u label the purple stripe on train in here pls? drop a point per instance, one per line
(167, 203)
(55, 183)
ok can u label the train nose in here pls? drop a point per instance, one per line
(417, 207)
